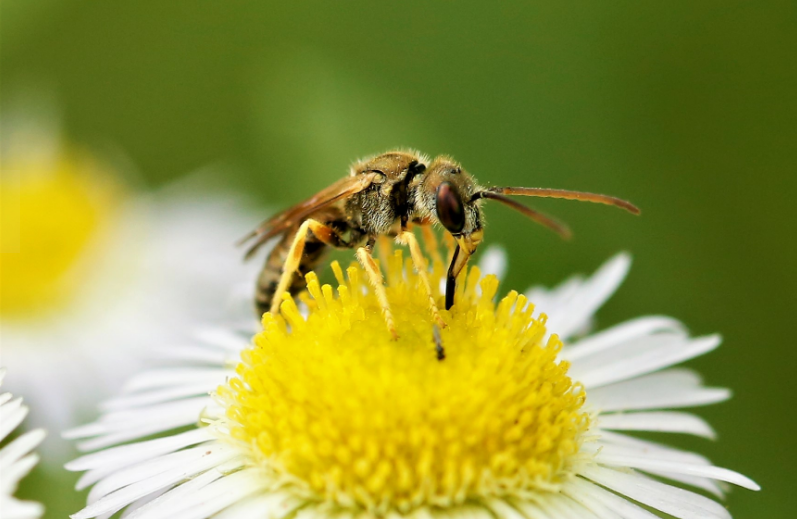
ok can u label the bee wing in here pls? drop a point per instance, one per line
(282, 221)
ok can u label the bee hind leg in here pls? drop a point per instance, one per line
(324, 233)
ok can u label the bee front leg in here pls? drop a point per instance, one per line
(366, 259)
(408, 239)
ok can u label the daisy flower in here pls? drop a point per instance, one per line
(323, 415)
(92, 271)
(16, 459)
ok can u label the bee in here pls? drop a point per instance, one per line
(382, 196)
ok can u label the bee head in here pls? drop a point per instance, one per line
(447, 197)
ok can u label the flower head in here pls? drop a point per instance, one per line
(325, 414)
(91, 269)
(16, 459)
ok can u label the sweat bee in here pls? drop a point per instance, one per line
(381, 196)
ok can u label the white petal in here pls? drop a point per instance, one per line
(595, 494)
(274, 505)
(504, 509)
(669, 389)
(619, 334)
(177, 498)
(141, 423)
(144, 501)
(564, 508)
(572, 490)
(575, 303)
(531, 510)
(10, 476)
(11, 415)
(148, 469)
(621, 445)
(636, 358)
(18, 448)
(493, 261)
(194, 354)
(711, 486)
(124, 496)
(160, 396)
(219, 495)
(16, 509)
(131, 455)
(127, 454)
(675, 467)
(223, 338)
(661, 421)
(5, 397)
(157, 378)
(668, 499)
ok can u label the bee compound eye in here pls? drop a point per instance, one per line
(450, 209)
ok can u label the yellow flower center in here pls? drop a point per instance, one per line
(333, 407)
(51, 214)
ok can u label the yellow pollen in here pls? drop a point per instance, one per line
(51, 215)
(348, 418)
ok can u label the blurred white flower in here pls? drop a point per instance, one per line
(326, 416)
(94, 272)
(16, 459)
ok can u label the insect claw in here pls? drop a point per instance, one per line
(438, 343)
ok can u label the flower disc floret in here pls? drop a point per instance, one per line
(332, 406)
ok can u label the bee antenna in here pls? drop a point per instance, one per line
(556, 226)
(564, 194)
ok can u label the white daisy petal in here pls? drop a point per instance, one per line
(493, 262)
(121, 426)
(127, 454)
(216, 496)
(143, 471)
(669, 389)
(711, 486)
(18, 448)
(634, 329)
(661, 421)
(16, 458)
(665, 498)
(160, 396)
(573, 304)
(597, 496)
(184, 496)
(533, 509)
(504, 509)
(144, 485)
(622, 445)
(144, 501)
(11, 415)
(160, 378)
(22, 510)
(631, 360)
(277, 504)
(568, 509)
(673, 467)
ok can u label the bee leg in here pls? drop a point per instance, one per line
(377, 281)
(430, 243)
(408, 239)
(438, 343)
(324, 233)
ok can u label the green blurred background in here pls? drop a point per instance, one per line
(687, 108)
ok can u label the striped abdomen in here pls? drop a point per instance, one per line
(269, 277)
